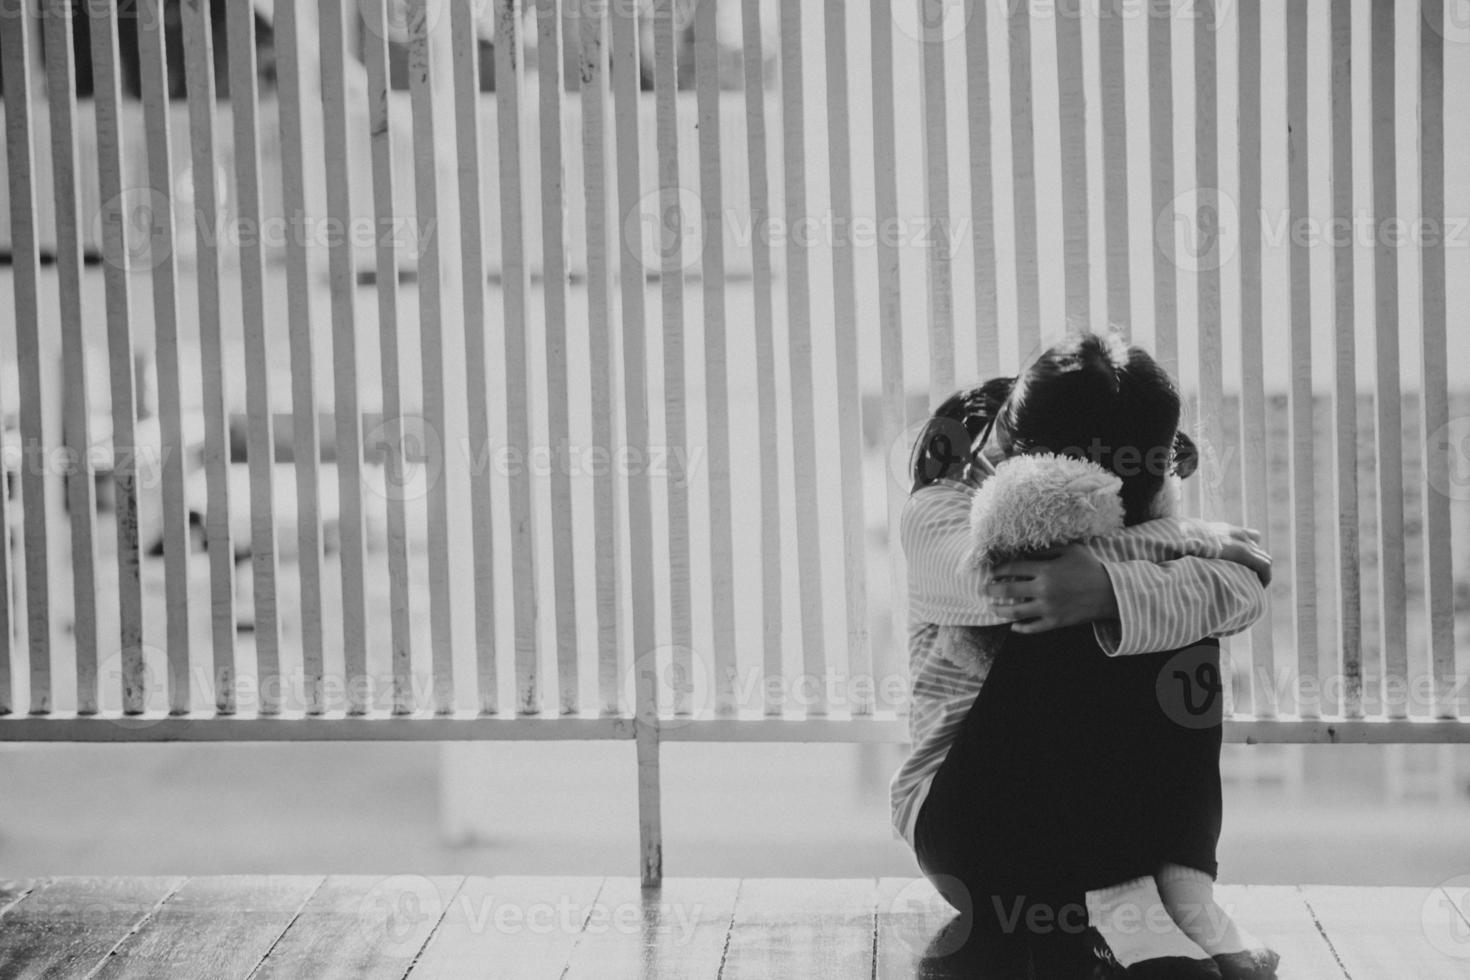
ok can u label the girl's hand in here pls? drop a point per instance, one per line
(1243, 546)
(1063, 587)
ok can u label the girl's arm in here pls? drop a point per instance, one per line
(945, 586)
(1187, 595)
(1164, 606)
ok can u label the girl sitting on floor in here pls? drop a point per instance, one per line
(1058, 785)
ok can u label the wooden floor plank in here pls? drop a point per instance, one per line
(922, 936)
(1279, 917)
(802, 928)
(1392, 932)
(211, 927)
(361, 927)
(12, 890)
(66, 926)
(523, 927)
(677, 930)
(1451, 933)
(376, 927)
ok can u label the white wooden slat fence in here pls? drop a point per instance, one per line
(760, 598)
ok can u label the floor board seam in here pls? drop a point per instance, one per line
(877, 924)
(136, 926)
(321, 883)
(572, 950)
(1325, 938)
(429, 939)
(730, 929)
(25, 893)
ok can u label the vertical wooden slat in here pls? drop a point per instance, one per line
(938, 267)
(1072, 115)
(1434, 397)
(260, 437)
(393, 441)
(80, 498)
(799, 336)
(625, 79)
(1023, 183)
(305, 437)
(716, 382)
(859, 676)
(1113, 108)
(1252, 375)
(554, 279)
(431, 341)
(7, 578)
(515, 284)
(1161, 179)
(166, 350)
(1209, 427)
(670, 248)
(466, 42)
(20, 159)
(218, 534)
(893, 413)
(592, 59)
(342, 277)
(174, 512)
(753, 64)
(1303, 483)
(107, 95)
(982, 189)
(1388, 397)
(554, 287)
(1345, 385)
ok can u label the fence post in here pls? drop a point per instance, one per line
(650, 811)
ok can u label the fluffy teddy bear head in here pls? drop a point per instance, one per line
(1031, 503)
(1034, 502)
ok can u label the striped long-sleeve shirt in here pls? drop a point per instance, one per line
(1171, 589)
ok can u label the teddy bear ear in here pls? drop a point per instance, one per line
(1093, 483)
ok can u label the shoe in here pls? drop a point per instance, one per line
(1249, 964)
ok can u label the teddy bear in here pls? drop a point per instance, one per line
(1033, 503)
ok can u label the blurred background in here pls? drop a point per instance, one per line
(1339, 814)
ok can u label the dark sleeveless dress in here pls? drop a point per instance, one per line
(1073, 771)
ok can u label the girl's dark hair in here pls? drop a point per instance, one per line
(1094, 397)
(943, 446)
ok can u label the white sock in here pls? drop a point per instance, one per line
(1134, 922)
(1189, 895)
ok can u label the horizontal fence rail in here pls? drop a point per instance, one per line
(421, 370)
